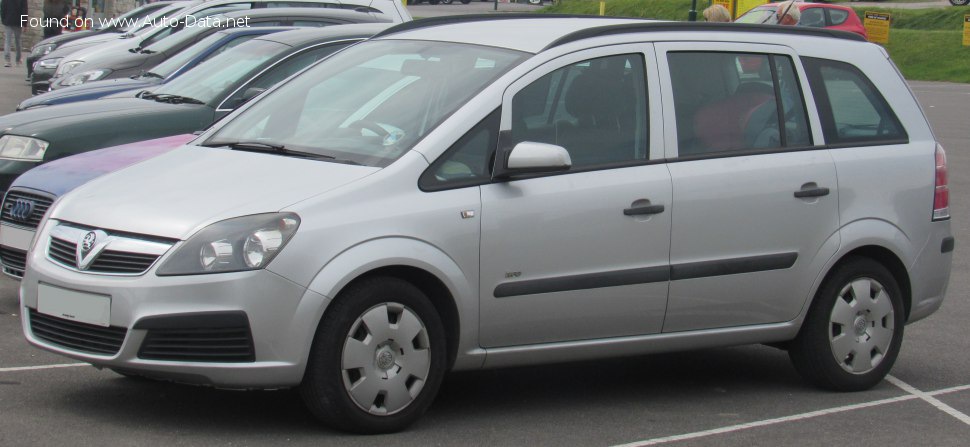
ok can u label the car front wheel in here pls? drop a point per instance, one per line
(852, 334)
(377, 360)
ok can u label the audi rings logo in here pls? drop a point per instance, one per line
(21, 209)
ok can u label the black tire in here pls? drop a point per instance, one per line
(812, 352)
(434, 2)
(959, 2)
(465, 2)
(323, 389)
(447, 2)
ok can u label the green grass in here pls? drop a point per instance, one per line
(930, 55)
(923, 19)
(924, 43)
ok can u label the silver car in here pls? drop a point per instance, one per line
(445, 197)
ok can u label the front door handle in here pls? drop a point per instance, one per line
(643, 210)
(812, 192)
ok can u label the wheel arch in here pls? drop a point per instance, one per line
(423, 265)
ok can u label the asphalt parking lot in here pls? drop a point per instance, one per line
(737, 396)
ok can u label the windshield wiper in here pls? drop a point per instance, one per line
(149, 74)
(171, 99)
(272, 148)
(134, 50)
(146, 51)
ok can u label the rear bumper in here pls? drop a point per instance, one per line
(930, 272)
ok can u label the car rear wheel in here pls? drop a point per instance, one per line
(959, 2)
(852, 334)
(377, 360)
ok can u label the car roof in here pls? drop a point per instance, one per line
(534, 33)
(342, 14)
(303, 36)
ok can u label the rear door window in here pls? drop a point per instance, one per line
(725, 102)
(837, 16)
(850, 107)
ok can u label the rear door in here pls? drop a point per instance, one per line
(755, 203)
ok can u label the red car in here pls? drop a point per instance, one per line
(816, 15)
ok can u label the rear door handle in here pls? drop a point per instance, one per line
(643, 210)
(812, 192)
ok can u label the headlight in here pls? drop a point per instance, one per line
(15, 147)
(66, 67)
(49, 64)
(233, 245)
(87, 76)
(42, 50)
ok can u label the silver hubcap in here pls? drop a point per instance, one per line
(861, 326)
(386, 359)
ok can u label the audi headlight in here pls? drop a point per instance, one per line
(233, 245)
(15, 147)
(42, 49)
(87, 76)
(50, 64)
(66, 67)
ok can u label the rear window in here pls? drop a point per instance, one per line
(850, 107)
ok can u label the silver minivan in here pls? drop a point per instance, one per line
(448, 197)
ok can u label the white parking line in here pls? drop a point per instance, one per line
(930, 400)
(30, 368)
(802, 416)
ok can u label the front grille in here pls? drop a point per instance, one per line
(40, 205)
(14, 261)
(109, 261)
(77, 336)
(199, 345)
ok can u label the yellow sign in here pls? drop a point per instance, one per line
(966, 30)
(729, 4)
(746, 5)
(877, 26)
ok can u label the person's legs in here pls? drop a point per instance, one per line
(7, 35)
(16, 34)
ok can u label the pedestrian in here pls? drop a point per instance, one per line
(788, 13)
(11, 12)
(717, 13)
(54, 11)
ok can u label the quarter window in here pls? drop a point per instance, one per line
(837, 16)
(595, 109)
(850, 107)
(732, 102)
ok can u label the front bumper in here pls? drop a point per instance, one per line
(282, 318)
(40, 80)
(11, 169)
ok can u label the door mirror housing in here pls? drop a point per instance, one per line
(250, 93)
(535, 158)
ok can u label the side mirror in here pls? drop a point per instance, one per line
(534, 158)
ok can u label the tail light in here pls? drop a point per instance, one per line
(941, 195)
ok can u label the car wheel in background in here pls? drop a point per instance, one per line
(852, 334)
(377, 359)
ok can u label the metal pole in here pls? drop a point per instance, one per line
(692, 15)
(496, 5)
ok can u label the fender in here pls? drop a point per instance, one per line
(853, 235)
(403, 251)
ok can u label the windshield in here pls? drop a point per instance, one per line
(165, 69)
(181, 38)
(372, 102)
(213, 77)
(758, 15)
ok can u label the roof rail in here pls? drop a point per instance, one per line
(447, 20)
(701, 26)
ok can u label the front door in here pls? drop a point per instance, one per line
(581, 254)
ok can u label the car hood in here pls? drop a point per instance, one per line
(175, 194)
(63, 175)
(90, 90)
(31, 122)
(62, 39)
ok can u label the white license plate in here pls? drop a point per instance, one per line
(73, 305)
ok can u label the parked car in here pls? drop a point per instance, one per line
(172, 68)
(185, 105)
(65, 59)
(815, 15)
(447, 197)
(125, 23)
(113, 65)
